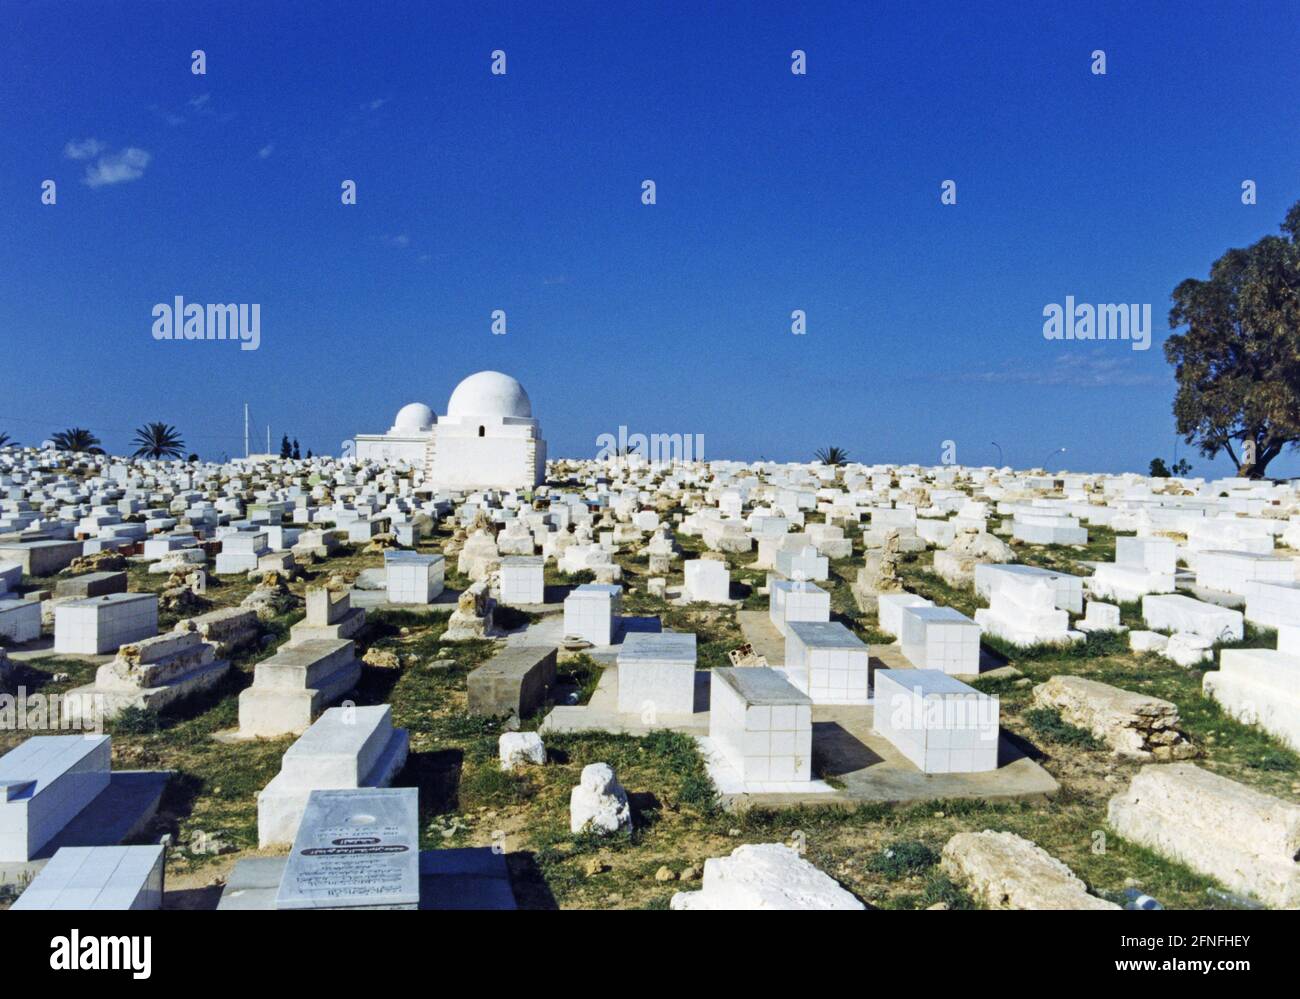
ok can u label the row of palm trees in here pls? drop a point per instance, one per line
(153, 440)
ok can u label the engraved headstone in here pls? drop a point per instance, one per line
(355, 849)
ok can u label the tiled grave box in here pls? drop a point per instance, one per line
(1175, 612)
(707, 580)
(345, 747)
(657, 671)
(802, 563)
(791, 600)
(828, 662)
(98, 625)
(1234, 572)
(761, 724)
(240, 552)
(940, 638)
(98, 879)
(413, 578)
(589, 612)
(45, 783)
(890, 610)
(1068, 589)
(20, 620)
(523, 580)
(939, 723)
(1273, 605)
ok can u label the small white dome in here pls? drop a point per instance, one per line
(489, 393)
(414, 417)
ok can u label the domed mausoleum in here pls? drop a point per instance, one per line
(487, 440)
(406, 441)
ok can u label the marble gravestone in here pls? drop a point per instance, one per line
(355, 849)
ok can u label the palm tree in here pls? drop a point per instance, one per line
(158, 440)
(77, 439)
(5, 439)
(832, 456)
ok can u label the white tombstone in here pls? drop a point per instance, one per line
(523, 580)
(656, 674)
(589, 612)
(413, 578)
(761, 724)
(95, 625)
(347, 747)
(97, 879)
(1174, 612)
(707, 580)
(889, 610)
(828, 662)
(45, 783)
(794, 600)
(940, 638)
(20, 620)
(939, 723)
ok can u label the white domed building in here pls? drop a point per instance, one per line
(487, 440)
(406, 441)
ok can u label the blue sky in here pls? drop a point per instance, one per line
(776, 192)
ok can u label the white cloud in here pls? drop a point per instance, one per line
(198, 102)
(266, 151)
(83, 150)
(374, 105)
(117, 168)
(1076, 370)
(400, 240)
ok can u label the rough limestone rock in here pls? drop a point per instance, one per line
(765, 876)
(101, 561)
(517, 749)
(230, 629)
(1003, 871)
(1136, 726)
(598, 804)
(970, 547)
(1240, 836)
(473, 616)
(879, 574)
(271, 598)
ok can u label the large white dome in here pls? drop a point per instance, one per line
(489, 393)
(414, 417)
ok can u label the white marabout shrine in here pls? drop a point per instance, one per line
(487, 440)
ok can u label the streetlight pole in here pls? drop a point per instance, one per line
(1059, 450)
(999, 447)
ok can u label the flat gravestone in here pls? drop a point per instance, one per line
(355, 849)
